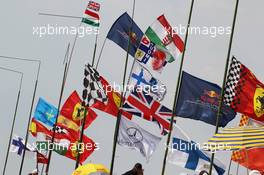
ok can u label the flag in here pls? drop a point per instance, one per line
(18, 146)
(133, 136)
(186, 153)
(65, 141)
(142, 78)
(143, 105)
(250, 158)
(162, 34)
(159, 45)
(199, 100)
(46, 113)
(73, 110)
(152, 55)
(90, 169)
(231, 139)
(113, 102)
(244, 92)
(123, 30)
(42, 158)
(93, 89)
(91, 15)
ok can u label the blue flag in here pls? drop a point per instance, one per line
(120, 33)
(199, 100)
(46, 113)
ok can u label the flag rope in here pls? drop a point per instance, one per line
(177, 91)
(14, 117)
(224, 81)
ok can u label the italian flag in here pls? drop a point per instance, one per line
(91, 15)
(162, 34)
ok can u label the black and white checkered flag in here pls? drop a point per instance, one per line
(232, 83)
(93, 89)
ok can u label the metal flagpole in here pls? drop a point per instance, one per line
(59, 104)
(224, 81)
(177, 90)
(29, 119)
(33, 99)
(100, 54)
(85, 111)
(229, 167)
(15, 114)
(122, 95)
(237, 170)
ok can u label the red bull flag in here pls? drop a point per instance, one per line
(244, 92)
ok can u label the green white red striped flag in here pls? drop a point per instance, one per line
(162, 34)
(91, 14)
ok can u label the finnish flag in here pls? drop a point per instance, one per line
(186, 153)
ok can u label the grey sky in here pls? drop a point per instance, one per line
(205, 58)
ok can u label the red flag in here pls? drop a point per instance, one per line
(65, 139)
(113, 102)
(41, 158)
(252, 158)
(244, 92)
(73, 110)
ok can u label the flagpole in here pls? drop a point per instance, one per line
(224, 81)
(229, 167)
(59, 104)
(15, 114)
(100, 54)
(29, 118)
(121, 95)
(177, 89)
(237, 170)
(83, 105)
(33, 98)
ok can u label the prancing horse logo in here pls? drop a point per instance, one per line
(134, 134)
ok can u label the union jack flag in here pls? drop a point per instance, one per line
(140, 104)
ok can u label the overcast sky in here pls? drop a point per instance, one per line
(205, 58)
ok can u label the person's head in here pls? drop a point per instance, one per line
(203, 173)
(138, 168)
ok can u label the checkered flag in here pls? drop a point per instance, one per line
(233, 85)
(93, 89)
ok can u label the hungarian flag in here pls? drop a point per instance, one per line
(113, 103)
(159, 45)
(244, 92)
(252, 158)
(73, 110)
(91, 14)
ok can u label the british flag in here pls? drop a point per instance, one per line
(140, 104)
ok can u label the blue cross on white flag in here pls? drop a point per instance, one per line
(186, 153)
(18, 146)
(142, 78)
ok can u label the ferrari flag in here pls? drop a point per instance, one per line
(244, 92)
